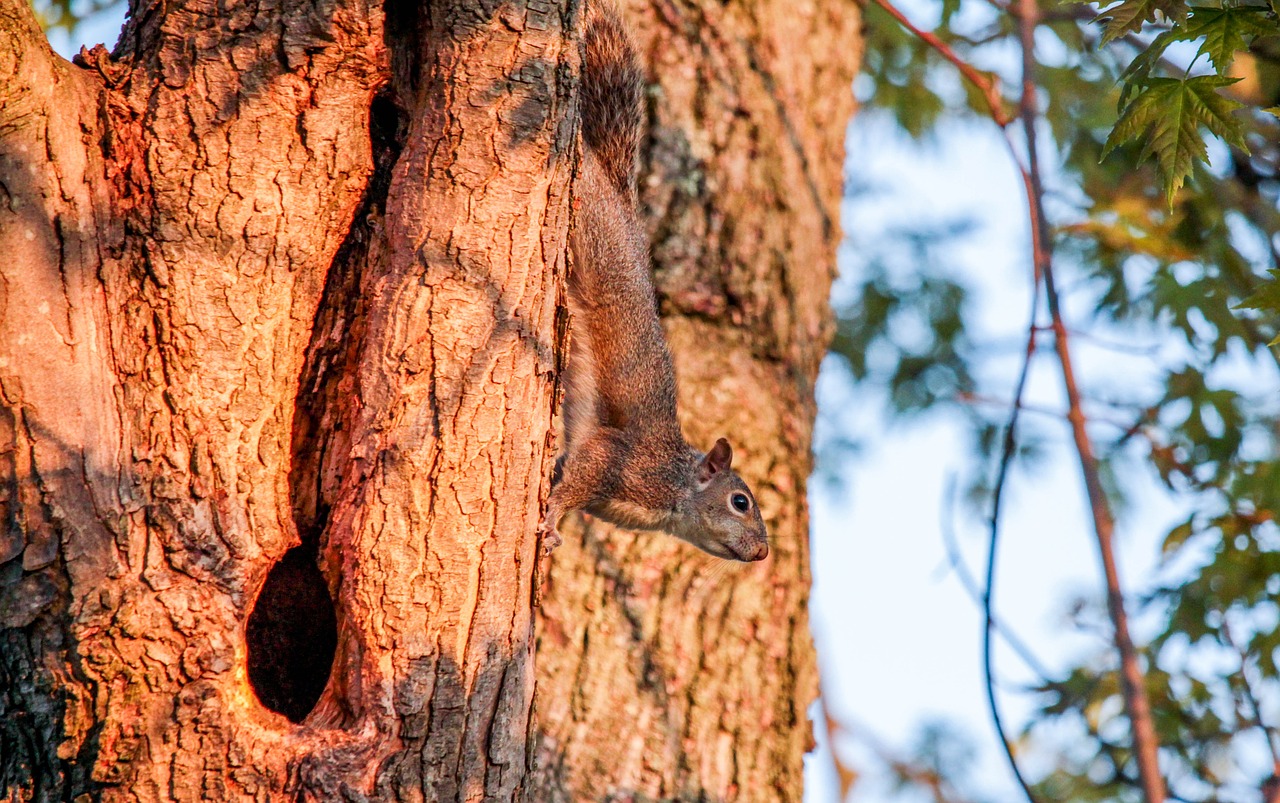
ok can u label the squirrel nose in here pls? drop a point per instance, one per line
(760, 552)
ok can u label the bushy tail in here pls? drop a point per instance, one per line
(612, 94)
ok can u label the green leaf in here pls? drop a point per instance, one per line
(1167, 116)
(1128, 16)
(1146, 61)
(1266, 297)
(1224, 31)
(1178, 536)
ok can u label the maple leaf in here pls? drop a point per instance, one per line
(1129, 16)
(1224, 31)
(1167, 116)
(1266, 297)
(1134, 76)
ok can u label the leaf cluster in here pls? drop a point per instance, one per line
(68, 15)
(1164, 105)
(1164, 190)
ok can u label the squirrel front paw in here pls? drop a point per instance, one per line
(548, 537)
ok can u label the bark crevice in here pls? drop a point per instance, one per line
(321, 446)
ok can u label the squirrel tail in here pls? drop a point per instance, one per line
(612, 94)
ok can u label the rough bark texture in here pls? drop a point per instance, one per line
(232, 324)
(664, 674)
(278, 336)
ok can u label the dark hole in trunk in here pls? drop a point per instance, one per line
(291, 636)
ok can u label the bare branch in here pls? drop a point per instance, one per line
(1145, 743)
(975, 592)
(907, 770)
(984, 83)
(996, 109)
(846, 775)
(1007, 451)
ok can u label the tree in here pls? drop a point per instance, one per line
(278, 351)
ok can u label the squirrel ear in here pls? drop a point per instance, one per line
(716, 461)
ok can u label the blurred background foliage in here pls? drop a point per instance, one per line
(1160, 130)
(66, 16)
(1169, 250)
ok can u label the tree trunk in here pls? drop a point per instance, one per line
(664, 674)
(279, 324)
(281, 275)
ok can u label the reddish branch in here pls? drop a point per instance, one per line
(985, 83)
(1146, 746)
(1145, 743)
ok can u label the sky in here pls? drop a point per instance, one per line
(898, 637)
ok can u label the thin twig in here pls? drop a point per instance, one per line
(970, 584)
(1145, 743)
(1007, 451)
(984, 83)
(995, 107)
(975, 399)
(846, 775)
(907, 770)
(1113, 345)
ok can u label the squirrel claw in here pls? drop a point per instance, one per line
(549, 537)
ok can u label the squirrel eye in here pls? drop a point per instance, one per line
(740, 502)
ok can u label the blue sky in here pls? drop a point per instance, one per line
(899, 638)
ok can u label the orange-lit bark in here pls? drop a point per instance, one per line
(279, 326)
(234, 322)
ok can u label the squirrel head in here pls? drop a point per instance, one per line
(722, 517)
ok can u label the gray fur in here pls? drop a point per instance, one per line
(626, 461)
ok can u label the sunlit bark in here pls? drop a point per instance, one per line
(278, 337)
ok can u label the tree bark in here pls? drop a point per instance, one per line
(664, 674)
(234, 323)
(280, 317)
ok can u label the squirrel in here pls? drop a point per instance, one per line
(625, 460)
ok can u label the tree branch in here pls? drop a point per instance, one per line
(1146, 746)
(996, 109)
(983, 83)
(846, 774)
(27, 65)
(1145, 743)
(1007, 451)
(977, 593)
(907, 770)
